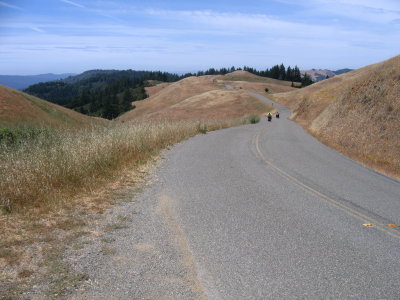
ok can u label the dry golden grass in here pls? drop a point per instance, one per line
(152, 90)
(52, 168)
(216, 104)
(168, 96)
(19, 108)
(206, 97)
(47, 183)
(259, 87)
(357, 113)
(51, 185)
(249, 77)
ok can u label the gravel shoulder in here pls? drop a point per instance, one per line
(138, 251)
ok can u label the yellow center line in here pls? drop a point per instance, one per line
(350, 211)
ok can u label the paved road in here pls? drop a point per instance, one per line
(269, 212)
(254, 212)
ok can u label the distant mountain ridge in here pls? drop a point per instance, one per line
(321, 74)
(20, 82)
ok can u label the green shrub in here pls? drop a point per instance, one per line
(15, 135)
(203, 128)
(254, 119)
(6, 136)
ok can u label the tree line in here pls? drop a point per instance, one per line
(279, 72)
(101, 93)
(110, 93)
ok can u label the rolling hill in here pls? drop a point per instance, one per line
(206, 97)
(357, 113)
(318, 75)
(99, 93)
(249, 81)
(18, 108)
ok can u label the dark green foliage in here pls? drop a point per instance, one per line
(278, 72)
(212, 71)
(14, 135)
(101, 93)
(266, 90)
(306, 80)
(254, 119)
(109, 93)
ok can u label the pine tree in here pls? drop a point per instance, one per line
(296, 74)
(275, 72)
(306, 80)
(282, 72)
(289, 74)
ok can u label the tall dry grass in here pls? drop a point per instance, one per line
(48, 170)
(357, 113)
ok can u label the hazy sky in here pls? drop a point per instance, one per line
(59, 36)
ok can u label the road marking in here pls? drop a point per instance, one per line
(350, 211)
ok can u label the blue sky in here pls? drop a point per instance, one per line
(59, 36)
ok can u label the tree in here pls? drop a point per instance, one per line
(127, 97)
(289, 74)
(274, 72)
(306, 80)
(282, 72)
(296, 74)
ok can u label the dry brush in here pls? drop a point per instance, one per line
(48, 170)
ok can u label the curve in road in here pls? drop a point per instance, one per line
(260, 211)
(269, 212)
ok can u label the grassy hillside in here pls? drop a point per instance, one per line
(246, 76)
(357, 113)
(99, 93)
(51, 178)
(18, 108)
(154, 89)
(249, 81)
(206, 97)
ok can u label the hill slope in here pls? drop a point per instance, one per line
(318, 75)
(357, 113)
(246, 76)
(19, 108)
(206, 97)
(100, 93)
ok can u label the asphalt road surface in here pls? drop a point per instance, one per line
(269, 212)
(259, 211)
